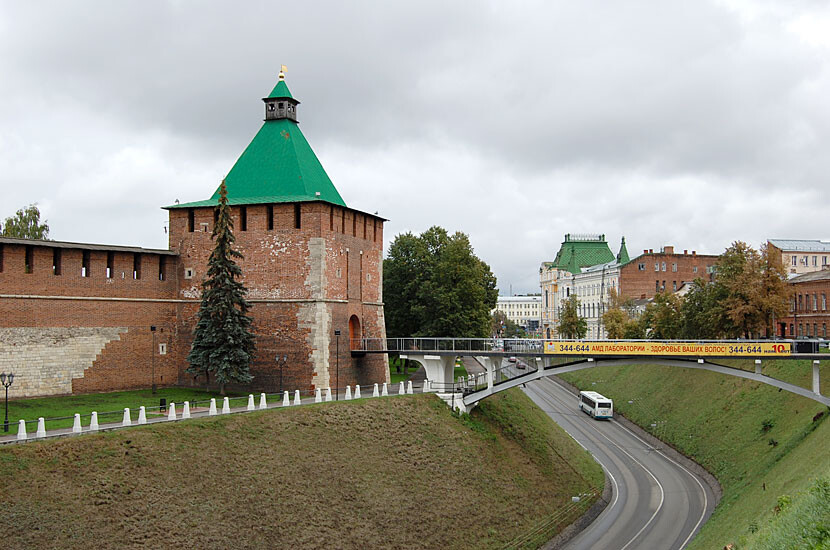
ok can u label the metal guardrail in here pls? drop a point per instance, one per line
(533, 345)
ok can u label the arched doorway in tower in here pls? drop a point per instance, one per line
(354, 333)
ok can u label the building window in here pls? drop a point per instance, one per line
(656, 286)
(297, 216)
(823, 301)
(342, 221)
(815, 261)
(656, 266)
(162, 268)
(85, 271)
(800, 330)
(56, 261)
(243, 218)
(815, 330)
(795, 261)
(136, 266)
(29, 259)
(674, 267)
(663, 265)
(792, 328)
(374, 230)
(110, 262)
(365, 222)
(800, 302)
(663, 286)
(546, 298)
(815, 302)
(331, 219)
(191, 220)
(641, 267)
(674, 286)
(824, 260)
(808, 330)
(824, 330)
(269, 213)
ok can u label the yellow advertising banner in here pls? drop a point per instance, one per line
(674, 349)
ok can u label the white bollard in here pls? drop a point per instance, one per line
(212, 411)
(318, 396)
(409, 387)
(460, 380)
(41, 427)
(286, 401)
(171, 412)
(93, 422)
(262, 403)
(251, 405)
(348, 392)
(425, 387)
(375, 392)
(76, 425)
(357, 391)
(226, 405)
(142, 415)
(328, 395)
(401, 390)
(297, 397)
(21, 430)
(384, 392)
(126, 421)
(186, 410)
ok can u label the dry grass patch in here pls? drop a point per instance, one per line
(399, 473)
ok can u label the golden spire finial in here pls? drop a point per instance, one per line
(283, 68)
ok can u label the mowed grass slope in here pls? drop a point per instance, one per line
(399, 472)
(758, 441)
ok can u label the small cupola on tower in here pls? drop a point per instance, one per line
(279, 104)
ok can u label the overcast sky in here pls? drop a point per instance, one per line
(691, 124)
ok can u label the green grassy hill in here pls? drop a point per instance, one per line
(399, 472)
(759, 442)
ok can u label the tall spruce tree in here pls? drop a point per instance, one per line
(223, 342)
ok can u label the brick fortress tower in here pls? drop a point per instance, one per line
(79, 317)
(312, 265)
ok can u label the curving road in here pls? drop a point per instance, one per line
(657, 504)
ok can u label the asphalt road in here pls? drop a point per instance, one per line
(657, 504)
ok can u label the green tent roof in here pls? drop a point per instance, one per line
(277, 166)
(622, 256)
(280, 90)
(576, 253)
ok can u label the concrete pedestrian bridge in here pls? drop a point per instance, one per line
(543, 358)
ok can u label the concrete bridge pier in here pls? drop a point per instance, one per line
(816, 379)
(439, 369)
(491, 365)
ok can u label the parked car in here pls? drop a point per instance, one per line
(512, 359)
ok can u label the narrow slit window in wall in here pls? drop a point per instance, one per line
(136, 266)
(162, 268)
(191, 220)
(85, 264)
(297, 216)
(56, 261)
(243, 218)
(331, 219)
(30, 259)
(343, 221)
(374, 230)
(365, 221)
(269, 213)
(110, 262)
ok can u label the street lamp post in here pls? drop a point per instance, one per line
(282, 366)
(337, 363)
(153, 375)
(7, 381)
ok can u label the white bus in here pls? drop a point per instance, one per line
(596, 404)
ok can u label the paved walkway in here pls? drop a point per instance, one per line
(201, 412)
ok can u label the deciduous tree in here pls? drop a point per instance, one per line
(435, 285)
(571, 325)
(223, 342)
(663, 318)
(25, 224)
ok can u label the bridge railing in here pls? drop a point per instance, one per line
(429, 344)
